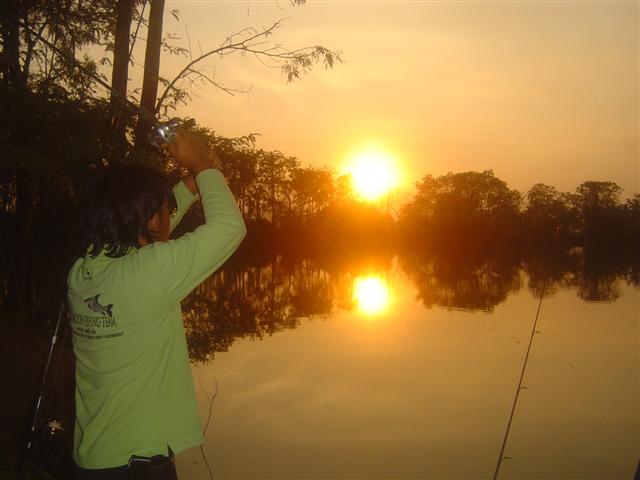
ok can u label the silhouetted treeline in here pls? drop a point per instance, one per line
(289, 207)
(478, 210)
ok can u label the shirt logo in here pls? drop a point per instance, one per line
(96, 306)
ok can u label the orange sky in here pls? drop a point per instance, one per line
(537, 91)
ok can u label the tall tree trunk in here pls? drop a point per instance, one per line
(11, 72)
(25, 214)
(14, 97)
(119, 78)
(151, 70)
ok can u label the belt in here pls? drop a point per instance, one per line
(158, 467)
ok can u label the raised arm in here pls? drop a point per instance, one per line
(185, 197)
(171, 270)
(186, 190)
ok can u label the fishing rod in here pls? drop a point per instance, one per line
(519, 388)
(36, 410)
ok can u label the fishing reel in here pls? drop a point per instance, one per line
(163, 133)
(49, 450)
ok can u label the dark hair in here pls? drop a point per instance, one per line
(117, 208)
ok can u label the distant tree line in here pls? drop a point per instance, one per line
(478, 209)
(288, 206)
(318, 208)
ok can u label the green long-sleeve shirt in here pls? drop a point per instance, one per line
(134, 391)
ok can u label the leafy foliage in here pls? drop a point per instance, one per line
(462, 206)
(478, 210)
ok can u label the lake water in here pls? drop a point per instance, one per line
(410, 373)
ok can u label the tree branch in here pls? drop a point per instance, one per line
(212, 81)
(222, 48)
(296, 62)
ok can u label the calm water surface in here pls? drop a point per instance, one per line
(385, 388)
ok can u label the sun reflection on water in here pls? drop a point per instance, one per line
(371, 295)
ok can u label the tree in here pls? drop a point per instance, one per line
(599, 211)
(463, 208)
(548, 214)
(632, 221)
(151, 70)
(44, 91)
(313, 189)
(272, 187)
(120, 76)
(293, 63)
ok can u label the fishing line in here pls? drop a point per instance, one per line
(520, 387)
(206, 425)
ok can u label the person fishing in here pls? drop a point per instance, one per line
(135, 398)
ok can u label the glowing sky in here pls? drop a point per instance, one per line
(537, 91)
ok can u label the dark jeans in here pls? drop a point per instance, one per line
(139, 468)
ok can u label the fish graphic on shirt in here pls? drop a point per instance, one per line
(96, 306)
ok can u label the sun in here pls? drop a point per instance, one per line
(371, 294)
(374, 173)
